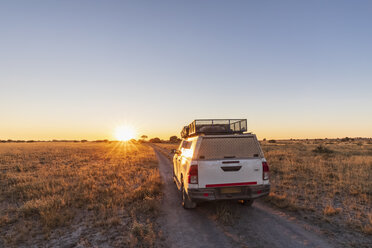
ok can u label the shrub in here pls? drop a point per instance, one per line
(346, 139)
(174, 139)
(155, 140)
(322, 149)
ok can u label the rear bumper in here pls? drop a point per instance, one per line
(212, 194)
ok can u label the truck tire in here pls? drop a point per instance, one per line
(187, 203)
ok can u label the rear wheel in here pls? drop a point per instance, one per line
(247, 203)
(187, 203)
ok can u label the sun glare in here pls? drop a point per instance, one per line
(124, 133)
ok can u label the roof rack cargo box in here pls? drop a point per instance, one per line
(214, 126)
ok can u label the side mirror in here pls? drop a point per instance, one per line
(175, 151)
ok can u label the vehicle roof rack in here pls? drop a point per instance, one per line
(214, 126)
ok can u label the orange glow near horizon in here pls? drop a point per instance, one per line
(115, 130)
(124, 133)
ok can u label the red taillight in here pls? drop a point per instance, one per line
(265, 171)
(193, 174)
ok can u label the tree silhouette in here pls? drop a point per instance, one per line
(155, 140)
(174, 139)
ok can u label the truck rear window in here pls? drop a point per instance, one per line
(228, 147)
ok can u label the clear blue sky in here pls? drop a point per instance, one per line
(76, 69)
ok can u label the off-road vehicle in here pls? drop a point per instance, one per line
(218, 160)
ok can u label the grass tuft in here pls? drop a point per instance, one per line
(322, 149)
(329, 210)
(226, 212)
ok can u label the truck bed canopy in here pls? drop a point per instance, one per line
(222, 147)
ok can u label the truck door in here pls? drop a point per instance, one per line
(177, 160)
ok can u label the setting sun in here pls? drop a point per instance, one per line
(124, 133)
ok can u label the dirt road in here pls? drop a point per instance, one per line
(257, 226)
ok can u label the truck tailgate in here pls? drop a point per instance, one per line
(229, 172)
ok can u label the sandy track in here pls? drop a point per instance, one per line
(258, 226)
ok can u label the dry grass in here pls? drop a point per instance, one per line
(329, 210)
(166, 148)
(79, 194)
(368, 227)
(327, 180)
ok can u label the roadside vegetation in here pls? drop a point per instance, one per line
(328, 182)
(78, 194)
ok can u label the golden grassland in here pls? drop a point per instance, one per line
(330, 178)
(89, 194)
(327, 181)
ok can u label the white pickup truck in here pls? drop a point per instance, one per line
(218, 161)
